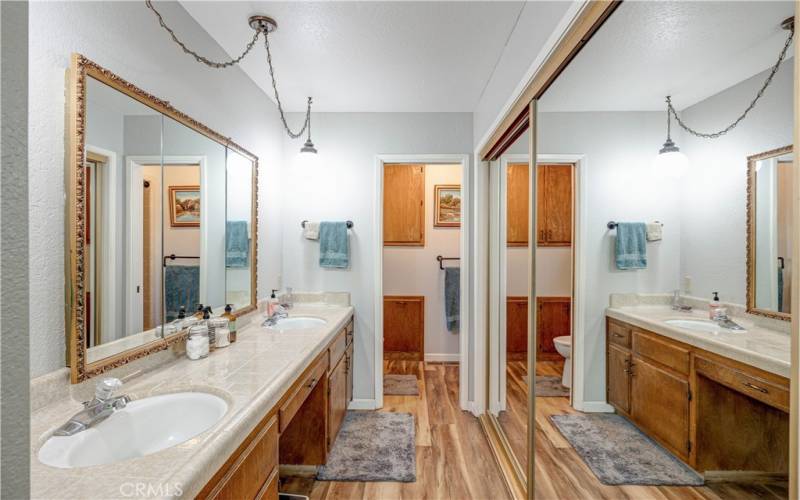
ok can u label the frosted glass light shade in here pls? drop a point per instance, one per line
(671, 164)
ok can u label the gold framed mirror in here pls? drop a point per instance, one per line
(161, 216)
(769, 233)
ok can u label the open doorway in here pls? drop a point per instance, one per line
(421, 314)
(421, 277)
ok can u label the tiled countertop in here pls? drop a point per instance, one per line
(760, 347)
(251, 375)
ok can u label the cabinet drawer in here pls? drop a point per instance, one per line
(619, 334)
(251, 470)
(270, 489)
(337, 349)
(662, 351)
(300, 394)
(751, 385)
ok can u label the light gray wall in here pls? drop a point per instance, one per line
(620, 186)
(14, 217)
(713, 238)
(340, 184)
(125, 38)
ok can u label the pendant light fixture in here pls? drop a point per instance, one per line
(262, 25)
(670, 161)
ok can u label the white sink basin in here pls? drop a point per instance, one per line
(697, 325)
(297, 323)
(143, 427)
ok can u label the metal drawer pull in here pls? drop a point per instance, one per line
(618, 335)
(311, 383)
(759, 389)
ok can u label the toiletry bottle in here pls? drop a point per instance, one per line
(182, 312)
(199, 312)
(273, 303)
(211, 337)
(231, 321)
(714, 306)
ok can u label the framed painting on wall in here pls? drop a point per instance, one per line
(447, 203)
(184, 206)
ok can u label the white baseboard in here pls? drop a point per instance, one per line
(594, 407)
(362, 404)
(439, 357)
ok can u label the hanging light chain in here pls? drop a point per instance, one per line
(198, 57)
(220, 65)
(306, 124)
(715, 135)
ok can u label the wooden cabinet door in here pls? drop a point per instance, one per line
(337, 400)
(618, 385)
(516, 328)
(552, 320)
(660, 405)
(557, 201)
(404, 327)
(403, 205)
(348, 357)
(517, 178)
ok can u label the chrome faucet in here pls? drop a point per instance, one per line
(102, 406)
(278, 313)
(677, 304)
(721, 318)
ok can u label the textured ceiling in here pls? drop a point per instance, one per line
(374, 56)
(689, 50)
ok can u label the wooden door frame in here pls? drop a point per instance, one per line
(467, 359)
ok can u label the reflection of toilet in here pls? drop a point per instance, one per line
(564, 348)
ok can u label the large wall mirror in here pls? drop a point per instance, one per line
(161, 218)
(770, 178)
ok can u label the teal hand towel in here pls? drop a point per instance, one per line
(181, 288)
(452, 298)
(334, 245)
(237, 244)
(631, 251)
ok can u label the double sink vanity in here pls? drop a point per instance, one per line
(717, 398)
(213, 428)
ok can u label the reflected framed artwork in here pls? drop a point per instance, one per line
(184, 206)
(447, 211)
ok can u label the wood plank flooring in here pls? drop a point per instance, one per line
(560, 471)
(454, 460)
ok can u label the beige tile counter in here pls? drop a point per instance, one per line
(251, 375)
(761, 347)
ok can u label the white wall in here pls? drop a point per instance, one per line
(619, 149)
(415, 271)
(125, 38)
(339, 184)
(713, 238)
(553, 271)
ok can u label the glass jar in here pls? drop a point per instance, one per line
(197, 342)
(213, 325)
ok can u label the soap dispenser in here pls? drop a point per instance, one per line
(714, 307)
(273, 303)
(199, 312)
(231, 321)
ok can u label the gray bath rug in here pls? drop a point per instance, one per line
(618, 453)
(373, 446)
(400, 385)
(550, 387)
